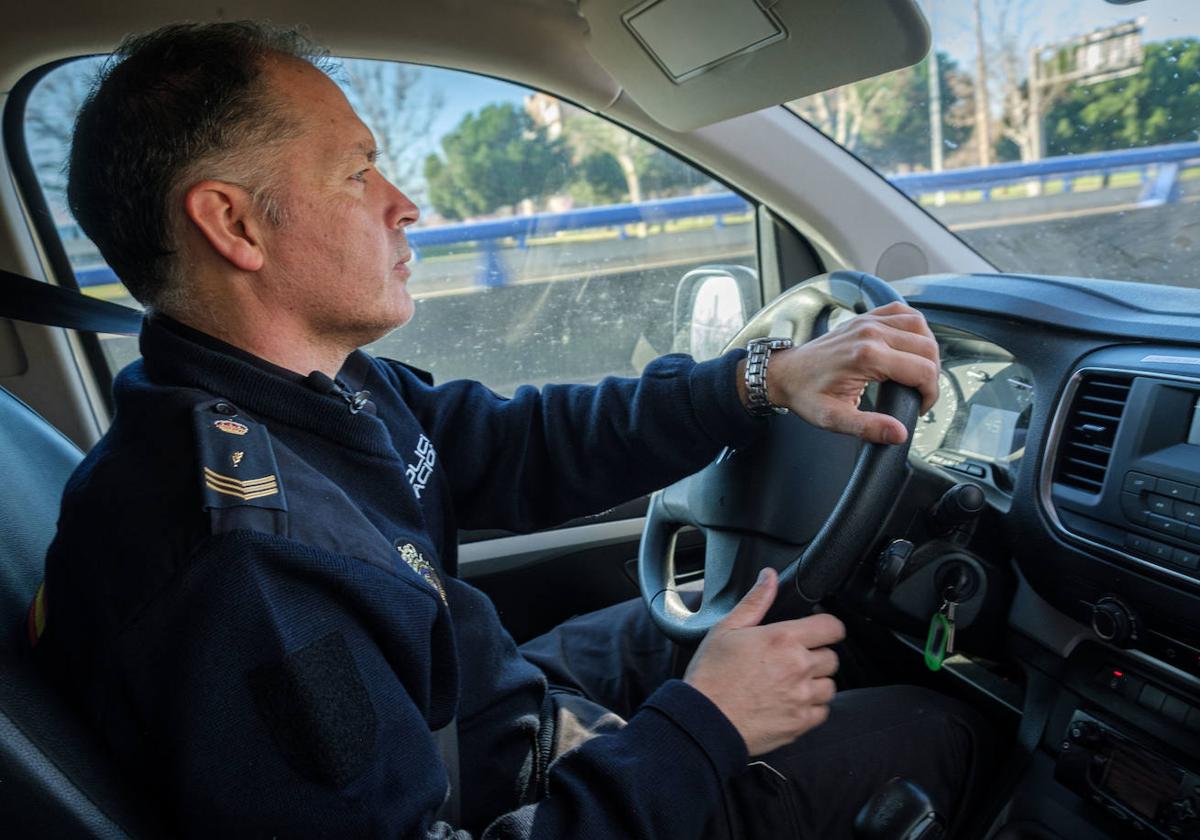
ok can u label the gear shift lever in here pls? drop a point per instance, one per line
(900, 810)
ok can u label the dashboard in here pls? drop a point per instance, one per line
(1074, 405)
(980, 422)
(1057, 472)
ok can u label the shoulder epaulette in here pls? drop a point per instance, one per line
(239, 478)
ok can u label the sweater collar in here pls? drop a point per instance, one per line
(175, 354)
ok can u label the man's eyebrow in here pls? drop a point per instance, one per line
(363, 149)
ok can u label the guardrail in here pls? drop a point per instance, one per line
(1159, 187)
(1159, 165)
(612, 215)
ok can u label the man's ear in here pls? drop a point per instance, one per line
(226, 216)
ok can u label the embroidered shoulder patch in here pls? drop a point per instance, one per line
(237, 463)
(417, 562)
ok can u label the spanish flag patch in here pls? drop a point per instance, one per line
(37, 615)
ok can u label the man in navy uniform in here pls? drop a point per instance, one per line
(252, 591)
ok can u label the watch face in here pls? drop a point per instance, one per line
(762, 345)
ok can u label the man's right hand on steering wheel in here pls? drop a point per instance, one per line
(773, 681)
(823, 379)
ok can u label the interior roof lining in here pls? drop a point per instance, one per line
(537, 43)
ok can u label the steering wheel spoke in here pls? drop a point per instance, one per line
(725, 570)
(746, 503)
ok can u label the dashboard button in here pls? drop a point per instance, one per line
(1137, 543)
(1175, 490)
(1158, 551)
(1161, 505)
(1167, 526)
(1175, 709)
(1136, 482)
(1132, 687)
(1187, 559)
(1193, 533)
(1151, 698)
(1134, 509)
(1188, 513)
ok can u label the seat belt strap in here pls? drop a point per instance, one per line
(32, 301)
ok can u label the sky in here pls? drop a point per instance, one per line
(1046, 22)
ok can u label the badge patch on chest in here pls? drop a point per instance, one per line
(410, 555)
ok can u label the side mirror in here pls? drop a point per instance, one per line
(711, 305)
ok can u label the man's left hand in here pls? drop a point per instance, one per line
(823, 380)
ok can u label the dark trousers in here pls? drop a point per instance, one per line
(811, 788)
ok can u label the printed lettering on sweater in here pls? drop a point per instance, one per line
(418, 471)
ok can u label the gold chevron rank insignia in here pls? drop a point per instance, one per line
(247, 489)
(220, 450)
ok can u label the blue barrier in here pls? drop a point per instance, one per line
(1160, 188)
(544, 224)
(98, 276)
(986, 177)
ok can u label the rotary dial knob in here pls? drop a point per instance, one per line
(1114, 622)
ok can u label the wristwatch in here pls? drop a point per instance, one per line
(760, 349)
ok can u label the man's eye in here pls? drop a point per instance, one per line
(361, 175)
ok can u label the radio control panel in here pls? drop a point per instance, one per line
(1133, 784)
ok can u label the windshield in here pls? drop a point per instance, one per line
(1052, 136)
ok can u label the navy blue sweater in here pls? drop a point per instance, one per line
(252, 595)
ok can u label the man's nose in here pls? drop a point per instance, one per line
(401, 211)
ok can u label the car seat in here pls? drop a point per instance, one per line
(55, 778)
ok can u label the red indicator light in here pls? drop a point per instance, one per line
(1118, 673)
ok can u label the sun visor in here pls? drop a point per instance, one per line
(689, 63)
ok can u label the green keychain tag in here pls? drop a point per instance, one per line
(935, 642)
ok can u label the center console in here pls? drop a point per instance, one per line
(1122, 477)
(1119, 485)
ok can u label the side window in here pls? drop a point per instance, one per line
(553, 245)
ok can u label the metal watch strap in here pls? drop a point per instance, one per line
(760, 349)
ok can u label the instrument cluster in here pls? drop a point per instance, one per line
(980, 421)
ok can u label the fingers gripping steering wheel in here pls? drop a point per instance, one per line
(802, 500)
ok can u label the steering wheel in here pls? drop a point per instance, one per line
(802, 500)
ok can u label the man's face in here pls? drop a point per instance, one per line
(338, 260)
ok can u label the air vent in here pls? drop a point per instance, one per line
(1091, 428)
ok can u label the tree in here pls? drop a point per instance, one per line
(885, 120)
(589, 135)
(1013, 40)
(663, 174)
(495, 159)
(1160, 104)
(387, 96)
(897, 134)
(50, 121)
(841, 113)
(600, 180)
